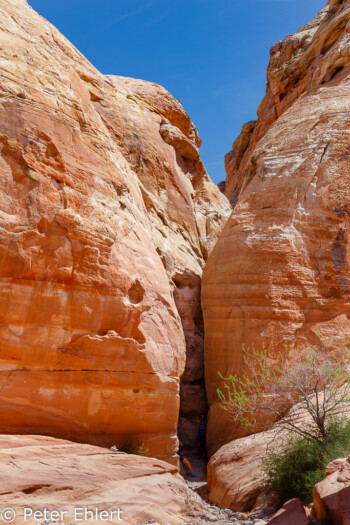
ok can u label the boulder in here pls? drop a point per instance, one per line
(40, 473)
(292, 513)
(235, 476)
(335, 465)
(332, 495)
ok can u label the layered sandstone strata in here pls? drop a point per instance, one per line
(279, 273)
(106, 218)
(40, 473)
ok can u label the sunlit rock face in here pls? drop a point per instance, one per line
(71, 477)
(106, 218)
(331, 496)
(280, 270)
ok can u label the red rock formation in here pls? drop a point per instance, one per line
(332, 495)
(235, 477)
(233, 161)
(292, 513)
(60, 475)
(331, 500)
(106, 215)
(279, 272)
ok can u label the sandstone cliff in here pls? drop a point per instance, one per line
(106, 218)
(280, 270)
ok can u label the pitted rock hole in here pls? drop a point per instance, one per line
(136, 293)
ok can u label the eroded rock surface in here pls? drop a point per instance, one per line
(107, 216)
(279, 273)
(332, 495)
(235, 477)
(45, 473)
(291, 513)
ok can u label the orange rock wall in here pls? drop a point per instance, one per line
(279, 272)
(103, 200)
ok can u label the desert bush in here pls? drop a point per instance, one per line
(294, 468)
(135, 446)
(269, 384)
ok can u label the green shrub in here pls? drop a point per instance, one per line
(268, 384)
(294, 469)
(135, 446)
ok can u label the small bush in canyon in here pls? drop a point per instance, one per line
(293, 469)
(261, 395)
(136, 447)
(269, 384)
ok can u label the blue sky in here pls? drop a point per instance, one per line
(210, 54)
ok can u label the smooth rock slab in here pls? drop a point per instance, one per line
(40, 472)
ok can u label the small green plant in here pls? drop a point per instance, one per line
(294, 468)
(135, 446)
